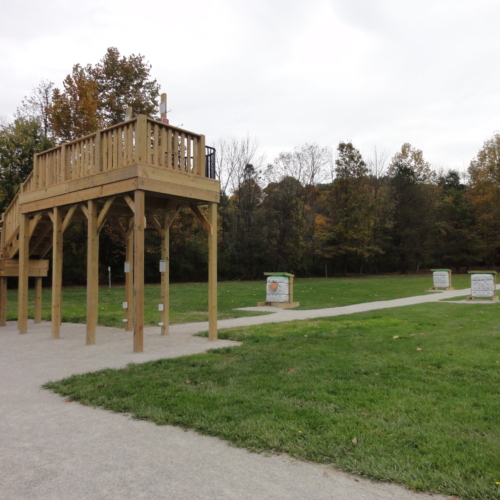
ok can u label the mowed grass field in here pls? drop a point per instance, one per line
(188, 301)
(409, 395)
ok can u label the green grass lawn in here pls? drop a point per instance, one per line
(188, 301)
(409, 395)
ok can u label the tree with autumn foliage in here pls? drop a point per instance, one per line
(97, 96)
(415, 195)
(19, 142)
(348, 232)
(484, 196)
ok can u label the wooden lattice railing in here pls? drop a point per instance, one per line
(141, 140)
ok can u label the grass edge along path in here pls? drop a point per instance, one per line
(408, 395)
(188, 301)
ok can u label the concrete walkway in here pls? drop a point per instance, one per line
(57, 450)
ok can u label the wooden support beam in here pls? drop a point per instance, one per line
(130, 202)
(57, 257)
(212, 272)
(201, 217)
(154, 222)
(102, 215)
(139, 227)
(129, 277)
(84, 210)
(34, 222)
(92, 271)
(3, 301)
(119, 225)
(24, 250)
(165, 277)
(69, 216)
(38, 300)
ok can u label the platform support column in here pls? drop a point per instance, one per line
(212, 272)
(24, 241)
(129, 277)
(139, 226)
(3, 301)
(165, 277)
(92, 271)
(57, 260)
(38, 300)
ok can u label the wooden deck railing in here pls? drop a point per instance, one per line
(141, 140)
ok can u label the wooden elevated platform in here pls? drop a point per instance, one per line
(136, 174)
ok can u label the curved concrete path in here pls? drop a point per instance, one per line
(56, 450)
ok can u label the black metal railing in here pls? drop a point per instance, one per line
(209, 162)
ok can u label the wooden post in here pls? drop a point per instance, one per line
(92, 271)
(129, 277)
(212, 272)
(163, 106)
(139, 217)
(143, 139)
(57, 256)
(200, 168)
(38, 300)
(97, 153)
(24, 251)
(165, 277)
(3, 301)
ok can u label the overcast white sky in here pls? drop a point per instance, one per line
(288, 72)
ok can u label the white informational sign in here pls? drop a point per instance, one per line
(127, 266)
(482, 285)
(278, 289)
(163, 266)
(441, 279)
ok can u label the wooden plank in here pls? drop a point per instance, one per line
(57, 257)
(103, 191)
(129, 277)
(142, 139)
(97, 154)
(36, 172)
(178, 191)
(200, 157)
(176, 145)
(190, 161)
(62, 164)
(92, 271)
(3, 301)
(38, 300)
(24, 242)
(139, 199)
(164, 148)
(212, 272)
(156, 149)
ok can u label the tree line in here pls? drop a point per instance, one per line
(310, 211)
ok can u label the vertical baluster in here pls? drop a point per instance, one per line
(175, 143)
(156, 145)
(188, 154)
